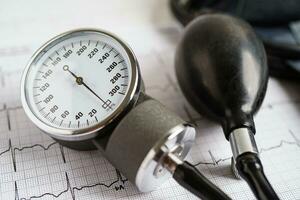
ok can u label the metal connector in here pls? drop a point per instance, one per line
(242, 141)
(171, 161)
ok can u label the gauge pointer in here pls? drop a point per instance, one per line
(79, 81)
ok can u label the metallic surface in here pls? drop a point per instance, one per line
(143, 138)
(86, 134)
(242, 141)
(171, 161)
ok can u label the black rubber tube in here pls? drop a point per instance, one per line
(192, 180)
(250, 168)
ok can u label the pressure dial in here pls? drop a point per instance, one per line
(79, 82)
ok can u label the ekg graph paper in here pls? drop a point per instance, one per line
(33, 166)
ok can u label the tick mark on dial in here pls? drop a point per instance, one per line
(65, 48)
(87, 122)
(124, 76)
(47, 115)
(45, 65)
(53, 119)
(69, 124)
(111, 50)
(121, 61)
(37, 79)
(89, 42)
(116, 55)
(42, 109)
(61, 122)
(50, 58)
(57, 53)
(121, 93)
(78, 124)
(36, 95)
(96, 119)
(123, 68)
(104, 46)
(80, 43)
(38, 102)
(72, 45)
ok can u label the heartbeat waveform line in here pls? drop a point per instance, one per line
(6, 110)
(194, 120)
(282, 143)
(72, 189)
(215, 161)
(13, 150)
(7, 117)
(61, 148)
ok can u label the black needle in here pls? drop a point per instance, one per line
(79, 81)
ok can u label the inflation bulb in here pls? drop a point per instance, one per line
(222, 70)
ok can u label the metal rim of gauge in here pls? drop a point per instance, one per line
(92, 131)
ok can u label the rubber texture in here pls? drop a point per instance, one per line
(191, 179)
(251, 170)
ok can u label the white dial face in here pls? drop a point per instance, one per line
(78, 80)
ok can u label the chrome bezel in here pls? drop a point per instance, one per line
(89, 132)
(148, 178)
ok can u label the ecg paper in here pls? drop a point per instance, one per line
(34, 166)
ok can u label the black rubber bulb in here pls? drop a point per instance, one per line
(221, 68)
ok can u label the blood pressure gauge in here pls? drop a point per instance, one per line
(83, 88)
(78, 83)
